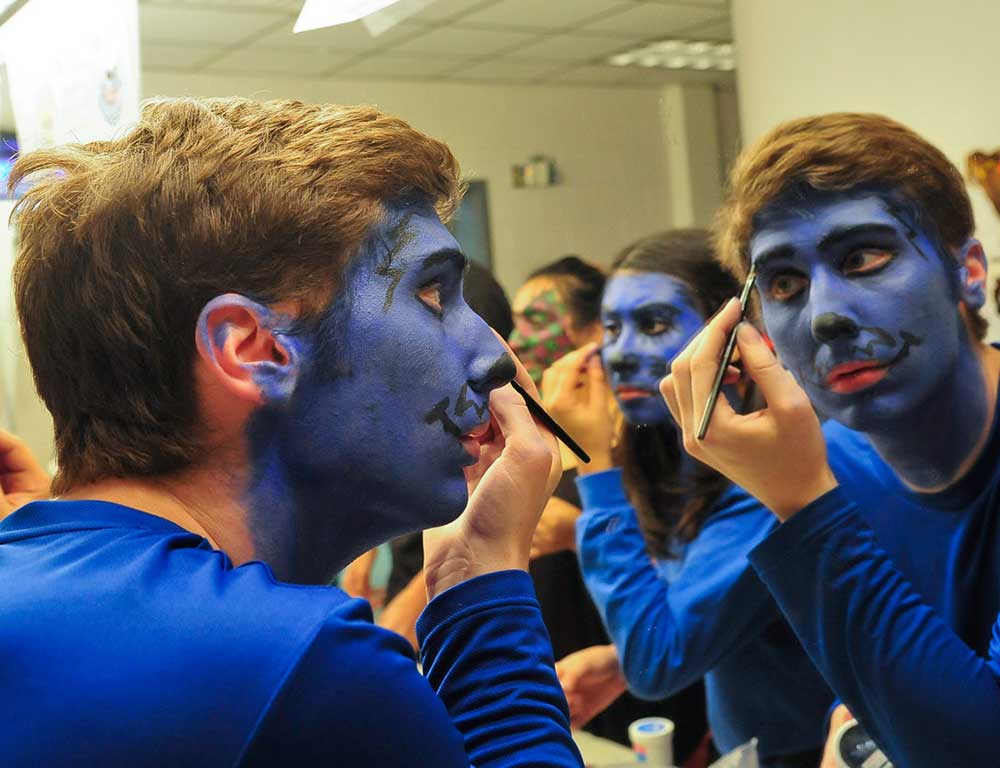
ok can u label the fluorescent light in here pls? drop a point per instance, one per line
(317, 14)
(679, 54)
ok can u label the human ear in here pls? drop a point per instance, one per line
(972, 274)
(241, 343)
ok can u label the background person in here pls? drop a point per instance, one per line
(663, 540)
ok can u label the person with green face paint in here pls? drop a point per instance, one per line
(555, 312)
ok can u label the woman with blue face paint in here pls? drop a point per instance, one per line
(247, 321)
(694, 609)
(887, 563)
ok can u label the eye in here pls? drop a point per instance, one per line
(866, 261)
(611, 329)
(430, 296)
(655, 326)
(786, 285)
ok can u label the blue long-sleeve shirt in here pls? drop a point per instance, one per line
(704, 614)
(128, 641)
(894, 594)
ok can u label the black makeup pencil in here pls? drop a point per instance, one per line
(727, 356)
(539, 413)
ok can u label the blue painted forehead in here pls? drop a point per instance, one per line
(801, 200)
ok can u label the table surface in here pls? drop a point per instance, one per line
(602, 753)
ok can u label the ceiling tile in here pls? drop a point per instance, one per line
(650, 20)
(384, 65)
(289, 6)
(717, 4)
(591, 74)
(661, 76)
(459, 41)
(574, 47)
(187, 26)
(343, 37)
(174, 57)
(550, 15)
(270, 61)
(446, 10)
(717, 30)
(506, 69)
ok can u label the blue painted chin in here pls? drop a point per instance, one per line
(643, 409)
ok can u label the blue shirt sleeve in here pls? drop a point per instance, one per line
(923, 694)
(668, 635)
(355, 696)
(486, 653)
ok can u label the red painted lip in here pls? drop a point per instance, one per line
(476, 436)
(847, 378)
(632, 393)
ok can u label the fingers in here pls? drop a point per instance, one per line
(776, 384)
(693, 371)
(597, 386)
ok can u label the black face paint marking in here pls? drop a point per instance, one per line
(462, 404)
(500, 373)
(882, 339)
(658, 369)
(400, 236)
(440, 413)
(911, 234)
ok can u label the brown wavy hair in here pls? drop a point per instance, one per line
(671, 508)
(123, 242)
(843, 152)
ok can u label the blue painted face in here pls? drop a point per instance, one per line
(648, 317)
(372, 442)
(861, 305)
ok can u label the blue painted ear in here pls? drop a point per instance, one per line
(246, 349)
(972, 274)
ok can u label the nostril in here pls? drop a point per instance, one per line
(501, 372)
(624, 364)
(830, 326)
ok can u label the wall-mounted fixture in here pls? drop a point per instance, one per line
(539, 172)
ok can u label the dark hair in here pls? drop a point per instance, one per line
(668, 507)
(580, 286)
(123, 242)
(487, 299)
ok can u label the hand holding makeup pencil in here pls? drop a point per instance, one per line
(517, 471)
(777, 454)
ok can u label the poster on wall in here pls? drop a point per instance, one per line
(72, 69)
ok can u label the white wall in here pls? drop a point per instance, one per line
(608, 144)
(930, 64)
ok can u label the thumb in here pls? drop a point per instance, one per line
(762, 366)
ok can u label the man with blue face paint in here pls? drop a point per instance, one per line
(888, 566)
(247, 321)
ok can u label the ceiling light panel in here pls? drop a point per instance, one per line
(679, 54)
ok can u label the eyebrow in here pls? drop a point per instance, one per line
(838, 235)
(830, 240)
(457, 258)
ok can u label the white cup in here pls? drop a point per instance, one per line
(653, 741)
